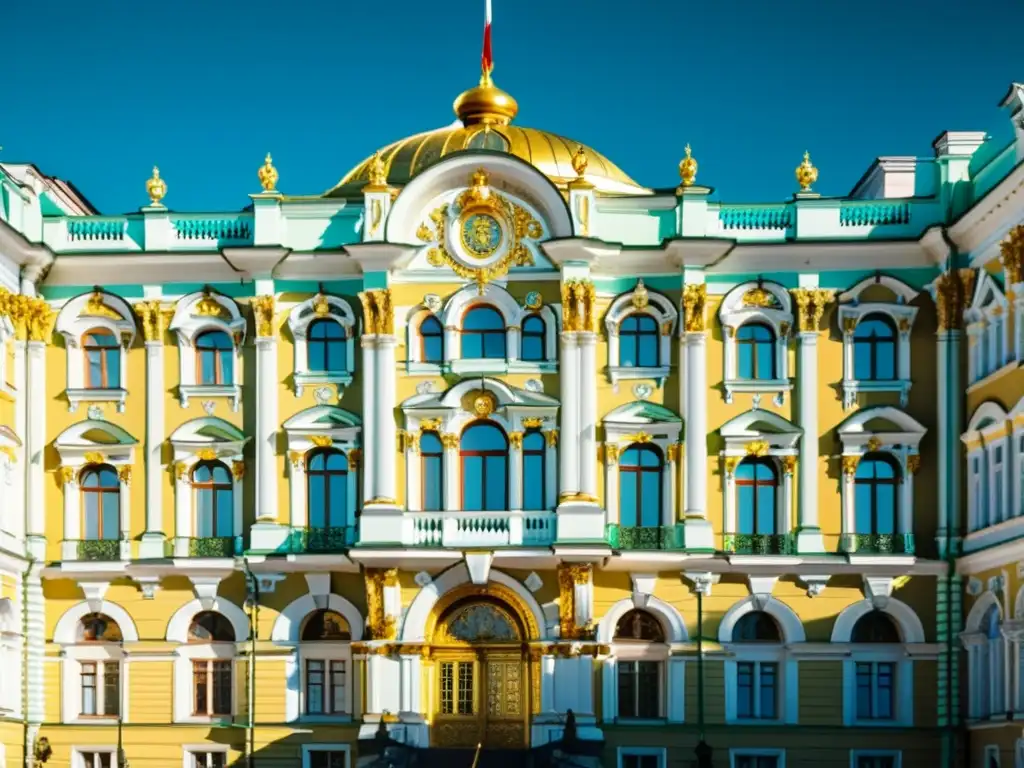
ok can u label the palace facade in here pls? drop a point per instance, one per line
(490, 432)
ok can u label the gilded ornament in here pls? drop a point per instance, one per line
(583, 211)
(377, 174)
(208, 306)
(579, 298)
(904, 325)
(639, 437)
(687, 168)
(355, 456)
(666, 328)
(758, 448)
(783, 330)
(672, 452)
(450, 440)
(694, 298)
(579, 162)
(263, 310)
(806, 174)
(873, 444)
(913, 463)
(321, 307)
(611, 454)
(295, 457)
(238, 469)
(759, 297)
(378, 311)
(516, 440)
(95, 457)
(850, 465)
(640, 298)
(9, 454)
(849, 324)
(789, 465)
(154, 319)
(429, 425)
(65, 475)
(484, 404)
(953, 291)
(206, 454)
(533, 422)
(376, 214)
(322, 441)
(379, 623)
(267, 175)
(180, 469)
(124, 474)
(551, 436)
(1011, 254)
(95, 307)
(569, 575)
(156, 188)
(811, 303)
(533, 300)
(730, 465)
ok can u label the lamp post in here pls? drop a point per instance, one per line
(703, 750)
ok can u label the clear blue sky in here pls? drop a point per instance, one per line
(97, 93)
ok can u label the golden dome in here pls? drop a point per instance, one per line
(485, 112)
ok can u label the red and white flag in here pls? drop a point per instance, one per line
(487, 61)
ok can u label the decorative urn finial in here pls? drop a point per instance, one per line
(688, 168)
(579, 162)
(156, 188)
(268, 175)
(377, 172)
(806, 174)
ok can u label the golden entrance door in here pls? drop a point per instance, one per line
(481, 700)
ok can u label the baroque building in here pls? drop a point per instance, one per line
(489, 433)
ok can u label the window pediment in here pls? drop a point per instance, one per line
(322, 426)
(640, 325)
(95, 441)
(314, 363)
(203, 310)
(778, 434)
(758, 362)
(207, 437)
(879, 428)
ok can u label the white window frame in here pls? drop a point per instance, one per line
(184, 688)
(101, 654)
(95, 310)
(991, 750)
(207, 311)
(856, 754)
(327, 652)
(11, 666)
(902, 315)
(779, 754)
(985, 320)
(641, 301)
(7, 337)
(988, 427)
(321, 423)
(496, 297)
(739, 308)
(660, 752)
(322, 307)
(191, 445)
(327, 747)
(78, 753)
(190, 751)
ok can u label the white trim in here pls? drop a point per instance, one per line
(987, 328)
(299, 320)
(181, 620)
(345, 435)
(189, 751)
(665, 315)
(911, 629)
(78, 753)
(288, 624)
(991, 750)
(188, 323)
(789, 623)
(66, 630)
(669, 618)
(735, 312)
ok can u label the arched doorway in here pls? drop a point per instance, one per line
(481, 674)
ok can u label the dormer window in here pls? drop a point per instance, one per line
(483, 334)
(102, 359)
(640, 325)
(215, 359)
(324, 328)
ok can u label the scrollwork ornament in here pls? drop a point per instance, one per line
(849, 464)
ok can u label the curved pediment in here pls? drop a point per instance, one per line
(641, 412)
(504, 395)
(322, 418)
(208, 430)
(879, 420)
(758, 423)
(94, 433)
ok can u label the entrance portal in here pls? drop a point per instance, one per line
(481, 676)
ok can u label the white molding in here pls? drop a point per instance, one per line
(733, 313)
(188, 324)
(911, 629)
(665, 316)
(753, 752)
(789, 623)
(288, 624)
(65, 632)
(666, 614)
(300, 318)
(181, 619)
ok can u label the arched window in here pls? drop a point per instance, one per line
(102, 359)
(327, 482)
(325, 347)
(757, 485)
(534, 471)
(324, 674)
(483, 334)
(431, 472)
(534, 331)
(639, 680)
(640, 469)
(215, 358)
(211, 678)
(755, 352)
(874, 349)
(875, 492)
(215, 506)
(638, 342)
(101, 503)
(484, 453)
(432, 340)
(100, 678)
(875, 680)
(988, 668)
(756, 627)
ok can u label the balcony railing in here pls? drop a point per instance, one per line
(757, 543)
(650, 537)
(458, 529)
(98, 550)
(321, 539)
(878, 543)
(208, 546)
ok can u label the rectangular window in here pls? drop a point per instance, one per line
(639, 692)
(325, 687)
(876, 761)
(457, 688)
(211, 683)
(628, 760)
(209, 759)
(757, 690)
(533, 473)
(755, 761)
(876, 690)
(433, 499)
(96, 759)
(90, 694)
(101, 688)
(326, 758)
(998, 485)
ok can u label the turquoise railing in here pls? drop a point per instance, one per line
(235, 229)
(756, 217)
(81, 229)
(645, 537)
(873, 214)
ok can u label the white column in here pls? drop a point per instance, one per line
(20, 413)
(667, 507)
(570, 434)
(905, 523)
(808, 536)
(153, 538)
(849, 511)
(512, 337)
(787, 503)
(369, 371)
(35, 446)
(35, 621)
(515, 472)
(72, 517)
(699, 531)
(729, 512)
(125, 488)
(587, 399)
(550, 472)
(452, 487)
(266, 429)
(948, 404)
(354, 468)
(384, 422)
(611, 482)
(183, 528)
(609, 690)
(409, 698)
(299, 517)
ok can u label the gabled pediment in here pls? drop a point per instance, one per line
(641, 412)
(321, 418)
(758, 423)
(208, 430)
